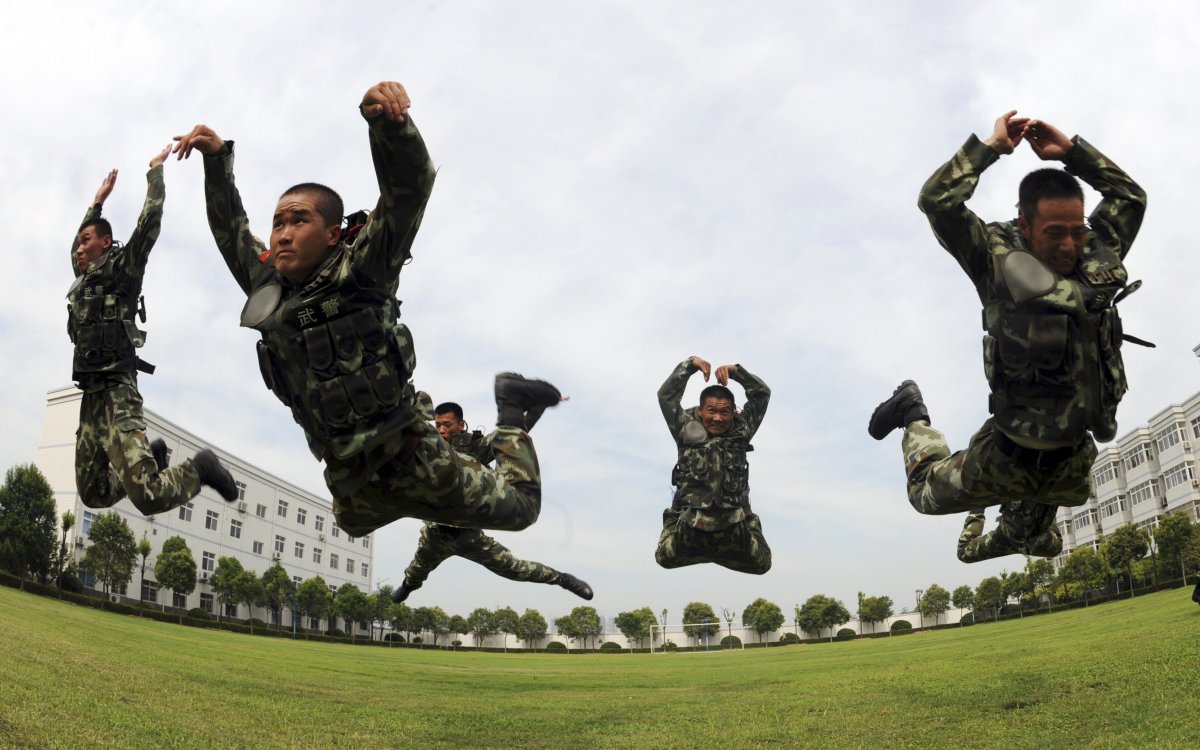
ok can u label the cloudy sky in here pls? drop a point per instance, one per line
(621, 185)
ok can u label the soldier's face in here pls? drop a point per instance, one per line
(91, 246)
(716, 415)
(300, 238)
(448, 425)
(1057, 233)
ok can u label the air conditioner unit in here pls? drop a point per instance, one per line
(241, 507)
(1162, 503)
(204, 577)
(321, 537)
(79, 539)
(274, 555)
(1196, 482)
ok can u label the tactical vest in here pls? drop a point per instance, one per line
(334, 353)
(712, 475)
(1052, 353)
(101, 305)
(473, 444)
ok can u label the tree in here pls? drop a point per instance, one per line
(1122, 547)
(353, 606)
(728, 614)
(28, 523)
(278, 589)
(819, 612)
(1171, 537)
(762, 616)
(113, 551)
(457, 624)
(481, 624)
(1082, 572)
(1041, 574)
(581, 624)
(175, 568)
(143, 549)
(381, 603)
(425, 621)
(436, 621)
(402, 620)
(505, 621)
(635, 625)
(963, 597)
(60, 560)
(875, 609)
(248, 589)
(701, 613)
(990, 593)
(934, 602)
(313, 597)
(531, 627)
(224, 582)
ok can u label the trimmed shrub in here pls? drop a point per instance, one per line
(556, 646)
(254, 622)
(787, 639)
(731, 641)
(611, 646)
(846, 634)
(670, 646)
(456, 644)
(416, 639)
(199, 614)
(336, 633)
(899, 625)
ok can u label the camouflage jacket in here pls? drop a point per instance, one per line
(1052, 350)
(712, 475)
(103, 300)
(474, 444)
(333, 349)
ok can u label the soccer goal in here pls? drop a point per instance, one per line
(698, 636)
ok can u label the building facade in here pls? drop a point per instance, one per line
(271, 521)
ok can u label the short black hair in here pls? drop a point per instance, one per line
(329, 203)
(1045, 183)
(718, 392)
(449, 407)
(100, 223)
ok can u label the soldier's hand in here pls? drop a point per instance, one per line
(106, 187)
(723, 373)
(387, 98)
(1007, 132)
(1047, 141)
(704, 367)
(202, 138)
(160, 157)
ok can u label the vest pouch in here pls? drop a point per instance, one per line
(1047, 341)
(345, 341)
(383, 381)
(989, 361)
(736, 480)
(111, 333)
(360, 393)
(334, 404)
(111, 310)
(136, 336)
(319, 349)
(1012, 345)
(402, 346)
(271, 376)
(370, 334)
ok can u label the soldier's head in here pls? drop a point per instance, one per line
(95, 239)
(305, 229)
(717, 409)
(1051, 218)
(448, 419)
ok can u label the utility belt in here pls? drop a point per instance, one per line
(1032, 457)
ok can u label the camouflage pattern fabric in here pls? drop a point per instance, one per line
(112, 455)
(439, 542)
(739, 547)
(388, 469)
(1025, 528)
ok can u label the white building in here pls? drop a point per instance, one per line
(272, 520)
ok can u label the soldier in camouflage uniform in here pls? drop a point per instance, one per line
(113, 459)
(334, 351)
(710, 520)
(439, 542)
(1048, 282)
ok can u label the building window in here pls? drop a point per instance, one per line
(1147, 490)
(241, 490)
(231, 610)
(185, 512)
(366, 542)
(334, 530)
(88, 517)
(1112, 507)
(1138, 456)
(281, 509)
(319, 523)
(1177, 475)
(261, 511)
(364, 570)
(178, 600)
(211, 521)
(235, 528)
(314, 623)
(258, 547)
(1106, 473)
(149, 591)
(300, 550)
(1196, 427)
(1168, 436)
(208, 562)
(278, 544)
(301, 515)
(349, 539)
(333, 560)
(206, 603)
(349, 564)
(317, 555)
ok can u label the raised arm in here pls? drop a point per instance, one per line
(671, 392)
(758, 395)
(149, 223)
(405, 175)
(93, 212)
(944, 196)
(1118, 217)
(226, 217)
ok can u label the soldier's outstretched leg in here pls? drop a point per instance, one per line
(434, 546)
(494, 556)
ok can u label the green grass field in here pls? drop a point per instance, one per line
(1120, 675)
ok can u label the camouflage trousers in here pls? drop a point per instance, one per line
(439, 542)
(416, 474)
(112, 455)
(741, 547)
(1025, 528)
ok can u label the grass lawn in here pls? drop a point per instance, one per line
(1120, 675)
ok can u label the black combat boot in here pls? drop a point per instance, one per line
(516, 395)
(215, 475)
(402, 593)
(575, 586)
(159, 448)
(902, 409)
